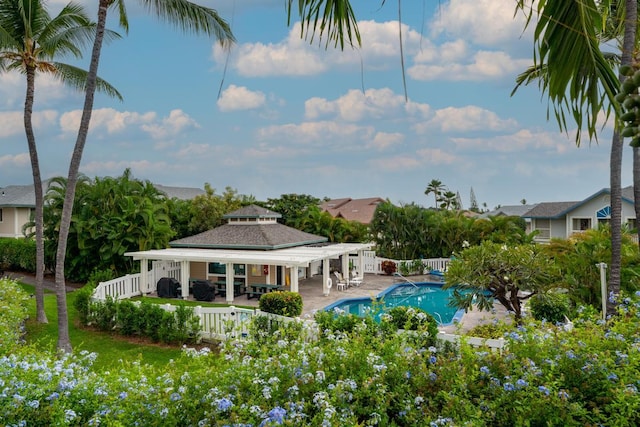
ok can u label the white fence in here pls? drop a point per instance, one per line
(439, 264)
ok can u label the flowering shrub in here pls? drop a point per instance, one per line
(389, 267)
(544, 376)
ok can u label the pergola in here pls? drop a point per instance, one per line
(292, 258)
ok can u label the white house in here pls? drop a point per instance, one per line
(562, 219)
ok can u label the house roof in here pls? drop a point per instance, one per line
(253, 211)
(509, 210)
(24, 195)
(250, 227)
(554, 210)
(360, 210)
(249, 236)
(182, 193)
(20, 196)
(290, 257)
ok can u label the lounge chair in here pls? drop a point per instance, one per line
(355, 279)
(341, 284)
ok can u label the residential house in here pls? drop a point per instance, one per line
(17, 202)
(360, 210)
(562, 219)
(511, 210)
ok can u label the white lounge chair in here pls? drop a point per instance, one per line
(341, 284)
(355, 279)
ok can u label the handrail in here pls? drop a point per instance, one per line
(405, 279)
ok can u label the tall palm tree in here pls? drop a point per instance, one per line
(436, 187)
(580, 81)
(336, 21)
(30, 40)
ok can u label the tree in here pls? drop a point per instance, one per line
(448, 200)
(112, 216)
(292, 207)
(336, 21)
(436, 187)
(30, 40)
(206, 210)
(491, 271)
(580, 82)
(473, 203)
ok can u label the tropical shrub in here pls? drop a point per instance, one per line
(551, 306)
(18, 254)
(283, 303)
(389, 267)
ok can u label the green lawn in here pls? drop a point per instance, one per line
(110, 348)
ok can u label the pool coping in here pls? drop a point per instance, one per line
(457, 317)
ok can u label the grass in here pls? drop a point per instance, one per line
(110, 347)
(189, 303)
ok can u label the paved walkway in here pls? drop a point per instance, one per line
(49, 280)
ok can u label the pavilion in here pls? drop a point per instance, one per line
(252, 247)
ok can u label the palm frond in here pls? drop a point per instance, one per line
(76, 78)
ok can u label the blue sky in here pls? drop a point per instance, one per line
(298, 118)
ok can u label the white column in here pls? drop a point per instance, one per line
(185, 273)
(325, 276)
(293, 272)
(144, 276)
(345, 268)
(360, 264)
(229, 279)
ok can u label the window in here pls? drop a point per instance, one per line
(632, 224)
(543, 226)
(580, 224)
(0, 214)
(219, 268)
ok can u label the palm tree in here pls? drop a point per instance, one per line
(337, 21)
(580, 81)
(29, 41)
(436, 187)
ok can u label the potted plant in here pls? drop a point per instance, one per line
(389, 267)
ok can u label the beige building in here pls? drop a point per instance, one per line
(360, 210)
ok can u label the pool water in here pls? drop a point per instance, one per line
(428, 296)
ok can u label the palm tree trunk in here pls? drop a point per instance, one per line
(636, 186)
(41, 316)
(628, 46)
(64, 343)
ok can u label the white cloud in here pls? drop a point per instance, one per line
(436, 156)
(523, 140)
(236, 98)
(383, 140)
(324, 134)
(18, 160)
(465, 119)
(109, 119)
(356, 106)
(12, 122)
(486, 22)
(176, 123)
(484, 65)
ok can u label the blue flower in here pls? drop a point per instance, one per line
(224, 404)
(542, 389)
(485, 370)
(275, 415)
(508, 387)
(432, 359)
(521, 383)
(175, 396)
(612, 377)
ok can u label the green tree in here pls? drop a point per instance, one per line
(292, 207)
(436, 187)
(491, 271)
(449, 200)
(30, 41)
(206, 210)
(580, 82)
(111, 216)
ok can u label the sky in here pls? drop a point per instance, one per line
(279, 115)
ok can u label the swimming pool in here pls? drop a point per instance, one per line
(429, 296)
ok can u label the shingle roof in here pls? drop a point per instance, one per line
(253, 211)
(509, 210)
(20, 196)
(182, 193)
(249, 236)
(360, 210)
(550, 209)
